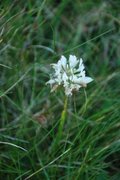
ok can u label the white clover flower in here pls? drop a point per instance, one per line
(70, 74)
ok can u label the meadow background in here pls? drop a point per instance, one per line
(34, 34)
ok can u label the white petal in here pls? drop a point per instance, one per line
(82, 73)
(81, 61)
(55, 66)
(51, 81)
(88, 80)
(74, 78)
(64, 77)
(83, 80)
(81, 65)
(72, 61)
(63, 61)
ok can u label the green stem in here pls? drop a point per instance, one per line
(61, 125)
(62, 119)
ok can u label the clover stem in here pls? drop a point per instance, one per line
(63, 117)
(61, 125)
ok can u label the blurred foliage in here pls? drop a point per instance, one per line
(34, 34)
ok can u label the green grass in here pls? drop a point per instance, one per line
(34, 34)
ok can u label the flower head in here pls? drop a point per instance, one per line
(70, 74)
